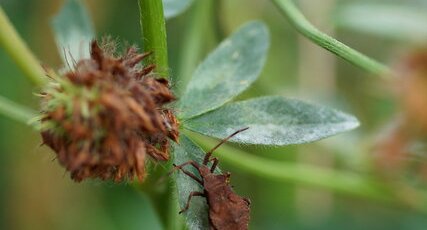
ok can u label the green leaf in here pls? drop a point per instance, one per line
(273, 121)
(227, 71)
(197, 215)
(73, 32)
(393, 21)
(173, 8)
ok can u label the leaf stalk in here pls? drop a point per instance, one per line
(347, 183)
(15, 111)
(19, 52)
(302, 25)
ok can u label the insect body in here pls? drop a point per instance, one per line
(227, 210)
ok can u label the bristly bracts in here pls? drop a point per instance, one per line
(103, 117)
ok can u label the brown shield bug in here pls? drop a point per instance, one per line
(227, 210)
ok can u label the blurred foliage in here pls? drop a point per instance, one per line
(35, 193)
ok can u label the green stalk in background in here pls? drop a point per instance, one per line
(19, 52)
(154, 34)
(347, 183)
(15, 111)
(196, 37)
(297, 19)
(154, 40)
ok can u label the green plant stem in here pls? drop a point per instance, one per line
(154, 34)
(346, 183)
(19, 52)
(177, 221)
(154, 40)
(162, 195)
(297, 19)
(15, 111)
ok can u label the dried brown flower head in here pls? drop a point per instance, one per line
(106, 115)
(402, 147)
(412, 86)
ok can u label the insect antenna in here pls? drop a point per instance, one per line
(209, 154)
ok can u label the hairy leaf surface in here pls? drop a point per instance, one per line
(227, 71)
(273, 121)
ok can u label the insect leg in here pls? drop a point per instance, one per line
(214, 164)
(184, 164)
(194, 164)
(189, 199)
(178, 167)
(194, 177)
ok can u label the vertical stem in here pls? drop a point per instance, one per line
(154, 40)
(19, 52)
(176, 221)
(154, 34)
(162, 196)
(297, 19)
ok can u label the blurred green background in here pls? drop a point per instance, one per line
(36, 193)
